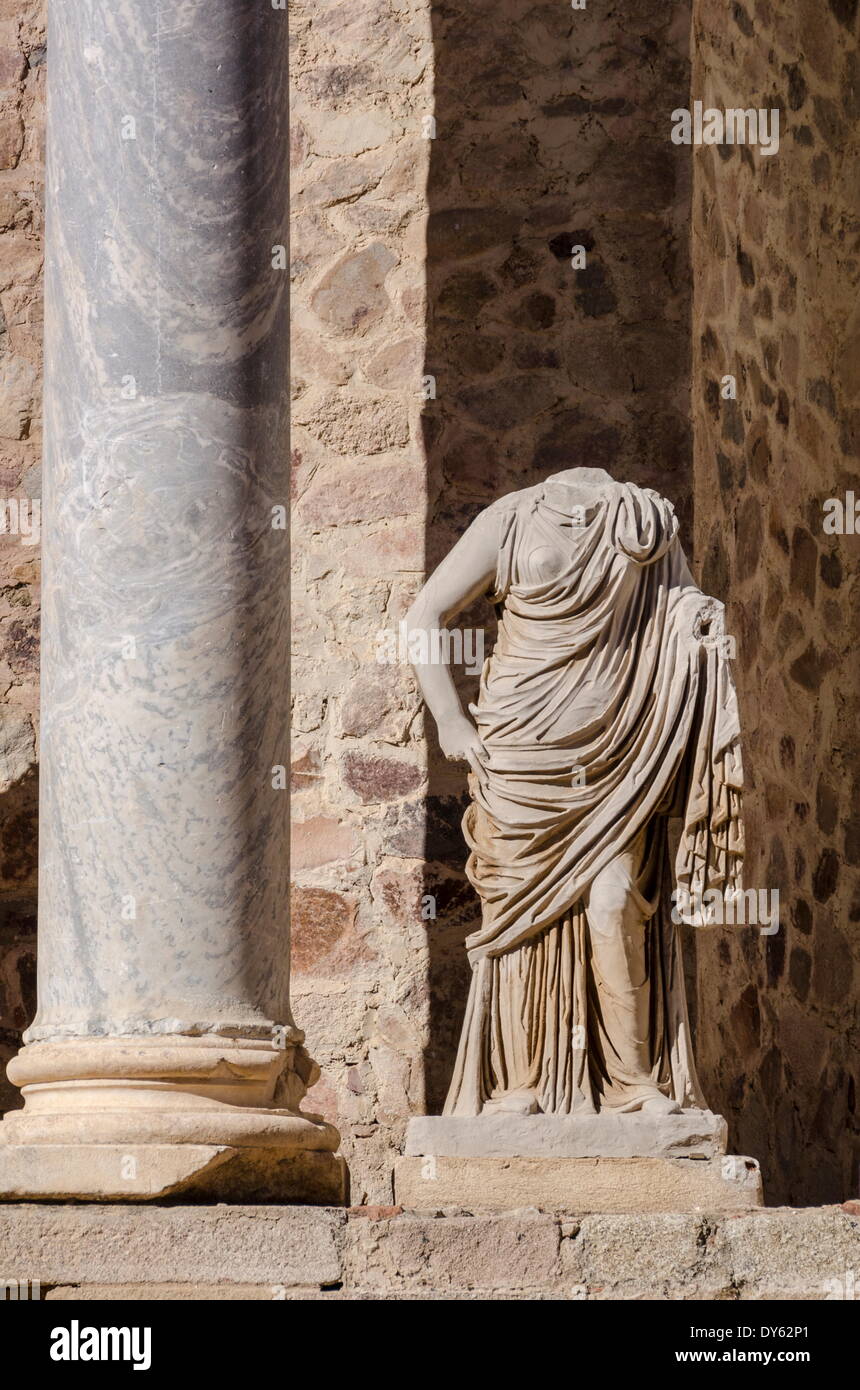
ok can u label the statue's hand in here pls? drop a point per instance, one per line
(709, 624)
(460, 742)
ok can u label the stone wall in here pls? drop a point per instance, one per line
(22, 86)
(298, 1253)
(776, 275)
(448, 159)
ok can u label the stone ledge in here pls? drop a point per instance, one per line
(304, 1253)
(130, 1244)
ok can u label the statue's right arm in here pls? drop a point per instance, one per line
(467, 571)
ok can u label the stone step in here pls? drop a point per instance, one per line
(297, 1253)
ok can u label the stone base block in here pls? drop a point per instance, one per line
(578, 1185)
(156, 1172)
(692, 1134)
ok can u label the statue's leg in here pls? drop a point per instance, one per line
(620, 989)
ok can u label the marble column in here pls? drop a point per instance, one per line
(164, 1057)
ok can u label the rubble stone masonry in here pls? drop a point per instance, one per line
(776, 273)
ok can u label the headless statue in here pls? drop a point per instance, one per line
(606, 708)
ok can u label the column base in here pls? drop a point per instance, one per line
(161, 1172)
(201, 1119)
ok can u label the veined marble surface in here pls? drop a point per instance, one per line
(165, 665)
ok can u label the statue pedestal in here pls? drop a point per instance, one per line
(577, 1163)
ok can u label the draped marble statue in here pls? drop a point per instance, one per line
(606, 708)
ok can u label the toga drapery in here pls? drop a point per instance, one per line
(606, 707)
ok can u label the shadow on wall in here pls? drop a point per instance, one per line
(551, 134)
(777, 306)
(19, 809)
